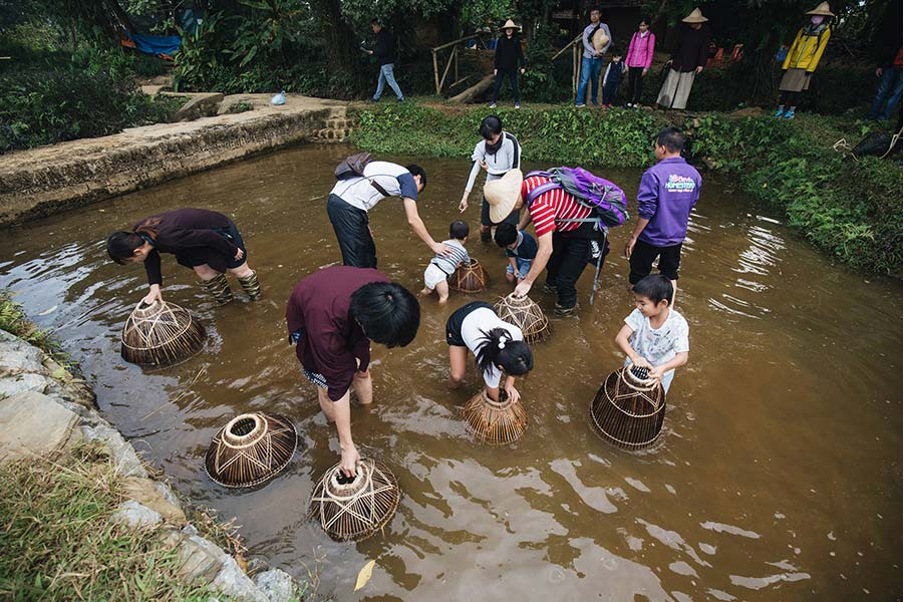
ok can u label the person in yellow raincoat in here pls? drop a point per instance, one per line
(802, 59)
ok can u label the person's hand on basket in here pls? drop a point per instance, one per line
(153, 296)
(641, 362)
(656, 373)
(523, 288)
(350, 459)
(513, 395)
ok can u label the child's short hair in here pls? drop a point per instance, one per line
(654, 287)
(671, 138)
(458, 230)
(615, 51)
(506, 234)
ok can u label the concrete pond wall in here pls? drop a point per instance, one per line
(48, 180)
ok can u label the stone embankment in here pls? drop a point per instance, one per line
(48, 180)
(45, 412)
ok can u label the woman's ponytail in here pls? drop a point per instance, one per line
(498, 348)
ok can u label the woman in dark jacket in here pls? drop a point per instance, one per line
(687, 61)
(507, 61)
(205, 241)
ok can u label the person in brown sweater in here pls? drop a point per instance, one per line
(205, 241)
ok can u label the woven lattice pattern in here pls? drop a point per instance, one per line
(526, 315)
(352, 511)
(492, 422)
(471, 278)
(251, 449)
(628, 412)
(161, 334)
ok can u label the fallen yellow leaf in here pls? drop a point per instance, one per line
(364, 574)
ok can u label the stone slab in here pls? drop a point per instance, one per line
(33, 424)
(135, 515)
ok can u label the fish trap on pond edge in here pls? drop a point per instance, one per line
(526, 315)
(470, 278)
(629, 409)
(353, 509)
(494, 422)
(251, 449)
(160, 335)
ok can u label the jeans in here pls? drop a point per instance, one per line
(513, 80)
(635, 84)
(890, 88)
(590, 71)
(523, 267)
(387, 77)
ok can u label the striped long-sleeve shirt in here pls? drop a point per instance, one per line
(449, 263)
(548, 209)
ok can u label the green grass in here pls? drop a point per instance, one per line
(58, 545)
(14, 321)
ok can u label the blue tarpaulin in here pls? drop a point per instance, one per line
(168, 45)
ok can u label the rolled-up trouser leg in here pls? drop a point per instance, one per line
(218, 287)
(251, 286)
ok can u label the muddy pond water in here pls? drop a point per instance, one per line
(777, 476)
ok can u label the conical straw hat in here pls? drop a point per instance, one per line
(502, 194)
(696, 16)
(510, 25)
(823, 9)
(600, 39)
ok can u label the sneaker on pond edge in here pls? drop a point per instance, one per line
(492, 105)
(401, 100)
(517, 105)
(789, 115)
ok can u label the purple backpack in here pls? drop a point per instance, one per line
(591, 191)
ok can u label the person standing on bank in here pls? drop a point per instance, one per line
(507, 61)
(205, 241)
(638, 60)
(687, 61)
(332, 317)
(385, 53)
(351, 199)
(497, 154)
(803, 58)
(592, 60)
(563, 236)
(889, 93)
(668, 191)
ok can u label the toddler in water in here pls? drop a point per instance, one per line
(654, 335)
(520, 248)
(442, 266)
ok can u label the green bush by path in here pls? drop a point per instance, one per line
(850, 209)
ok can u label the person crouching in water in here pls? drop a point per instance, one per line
(205, 241)
(498, 346)
(442, 266)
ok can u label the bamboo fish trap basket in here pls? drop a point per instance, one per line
(494, 422)
(526, 315)
(629, 409)
(471, 278)
(251, 449)
(354, 509)
(161, 334)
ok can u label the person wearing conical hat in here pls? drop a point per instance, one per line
(508, 60)
(566, 232)
(687, 61)
(803, 58)
(596, 40)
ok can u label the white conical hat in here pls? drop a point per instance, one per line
(502, 194)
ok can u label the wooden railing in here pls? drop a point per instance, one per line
(451, 62)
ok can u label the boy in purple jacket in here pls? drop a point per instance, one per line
(668, 191)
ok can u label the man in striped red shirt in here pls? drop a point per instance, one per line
(565, 229)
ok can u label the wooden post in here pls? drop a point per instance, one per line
(446, 70)
(456, 63)
(436, 72)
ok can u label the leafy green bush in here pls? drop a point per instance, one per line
(44, 107)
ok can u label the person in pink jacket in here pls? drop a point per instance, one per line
(638, 60)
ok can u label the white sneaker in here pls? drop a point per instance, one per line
(492, 105)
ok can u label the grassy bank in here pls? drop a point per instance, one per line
(14, 321)
(58, 545)
(850, 209)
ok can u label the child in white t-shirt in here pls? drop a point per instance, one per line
(654, 336)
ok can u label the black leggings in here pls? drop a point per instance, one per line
(788, 98)
(513, 79)
(635, 84)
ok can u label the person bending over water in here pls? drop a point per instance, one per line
(332, 317)
(205, 241)
(497, 345)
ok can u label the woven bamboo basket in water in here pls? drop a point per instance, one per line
(526, 315)
(161, 334)
(356, 508)
(471, 278)
(629, 410)
(250, 449)
(494, 422)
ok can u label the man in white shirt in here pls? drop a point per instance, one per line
(351, 199)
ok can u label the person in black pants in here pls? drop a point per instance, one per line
(507, 61)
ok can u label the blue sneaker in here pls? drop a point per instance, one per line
(779, 112)
(789, 115)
